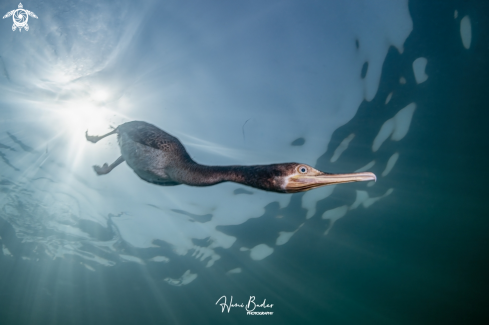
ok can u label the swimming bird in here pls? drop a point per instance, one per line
(159, 158)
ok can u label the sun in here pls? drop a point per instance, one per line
(87, 111)
(79, 116)
(100, 95)
(76, 115)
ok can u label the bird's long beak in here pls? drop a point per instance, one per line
(301, 183)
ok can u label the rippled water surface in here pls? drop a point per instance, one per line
(392, 87)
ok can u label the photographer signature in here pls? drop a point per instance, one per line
(250, 306)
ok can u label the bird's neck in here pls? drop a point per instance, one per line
(258, 176)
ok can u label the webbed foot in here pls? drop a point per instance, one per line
(92, 138)
(105, 169)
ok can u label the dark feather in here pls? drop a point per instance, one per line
(151, 136)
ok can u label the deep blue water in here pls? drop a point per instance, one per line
(418, 256)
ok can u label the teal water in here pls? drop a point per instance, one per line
(78, 249)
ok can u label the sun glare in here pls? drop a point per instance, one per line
(84, 115)
(100, 95)
(77, 116)
(87, 112)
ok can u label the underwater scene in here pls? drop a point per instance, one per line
(244, 162)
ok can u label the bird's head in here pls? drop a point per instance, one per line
(294, 177)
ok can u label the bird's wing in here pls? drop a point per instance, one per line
(30, 13)
(8, 14)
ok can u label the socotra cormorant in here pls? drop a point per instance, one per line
(159, 158)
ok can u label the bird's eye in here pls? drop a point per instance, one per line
(302, 169)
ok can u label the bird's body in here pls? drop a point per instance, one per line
(159, 158)
(151, 152)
